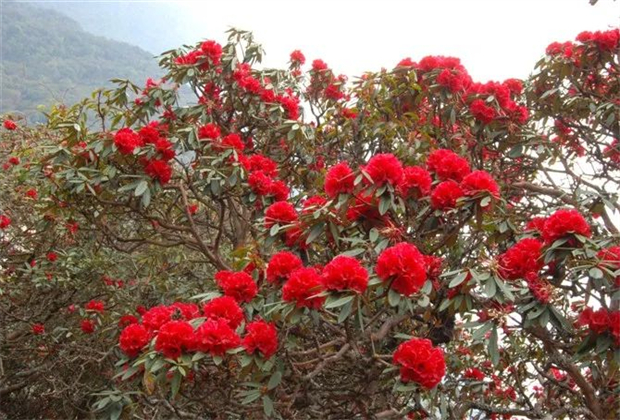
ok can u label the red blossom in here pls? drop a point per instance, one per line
(479, 181)
(209, 131)
(384, 168)
(404, 266)
(282, 213)
(216, 337)
(482, 112)
(420, 362)
(133, 339)
(158, 170)
(261, 336)
(225, 308)
(281, 266)
(126, 140)
(87, 326)
(416, 182)
(345, 273)
(301, 285)
(339, 180)
(38, 329)
(520, 259)
(565, 222)
(173, 338)
(297, 58)
(95, 306)
(157, 316)
(448, 165)
(9, 125)
(239, 285)
(5, 221)
(445, 194)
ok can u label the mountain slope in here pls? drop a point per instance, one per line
(47, 57)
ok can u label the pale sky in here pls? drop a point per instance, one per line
(494, 39)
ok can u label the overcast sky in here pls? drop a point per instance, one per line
(495, 39)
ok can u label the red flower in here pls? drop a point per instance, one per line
(282, 213)
(260, 162)
(281, 266)
(384, 168)
(32, 193)
(225, 308)
(610, 257)
(261, 336)
(174, 337)
(565, 222)
(404, 266)
(614, 326)
(209, 131)
(14, 160)
(291, 105)
(481, 111)
(158, 170)
(539, 288)
(297, 58)
(319, 65)
(187, 311)
(420, 362)
(95, 306)
(233, 141)
(212, 50)
(216, 337)
(599, 321)
(339, 179)
(301, 284)
(479, 181)
(536, 224)
(127, 320)
(10, 125)
(126, 140)
(445, 194)
(448, 165)
(416, 182)
(5, 221)
(157, 316)
(38, 329)
(522, 258)
(87, 326)
(260, 183)
(345, 273)
(133, 339)
(311, 204)
(279, 191)
(473, 373)
(239, 285)
(52, 256)
(150, 133)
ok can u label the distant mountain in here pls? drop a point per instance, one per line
(153, 26)
(48, 57)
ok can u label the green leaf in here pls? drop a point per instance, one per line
(596, 273)
(267, 405)
(353, 252)
(142, 186)
(393, 297)
(345, 312)
(274, 230)
(176, 383)
(490, 288)
(339, 302)
(252, 396)
(458, 279)
(275, 380)
(384, 205)
(315, 232)
(480, 332)
(373, 235)
(493, 349)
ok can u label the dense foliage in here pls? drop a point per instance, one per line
(47, 57)
(412, 243)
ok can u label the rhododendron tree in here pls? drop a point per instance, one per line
(290, 244)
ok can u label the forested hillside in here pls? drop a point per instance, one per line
(48, 58)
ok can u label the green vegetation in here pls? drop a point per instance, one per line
(48, 58)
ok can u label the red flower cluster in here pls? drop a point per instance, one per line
(448, 165)
(157, 316)
(281, 212)
(474, 374)
(384, 168)
(38, 329)
(127, 140)
(297, 58)
(209, 131)
(281, 266)
(339, 180)
(445, 194)
(261, 336)
(345, 273)
(133, 339)
(5, 221)
(539, 288)
(225, 308)
(565, 222)
(602, 321)
(9, 125)
(479, 181)
(95, 306)
(404, 266)
(522, 258)
(261, 163)
(173, 338)
(216, 337)
(482, 112)
(87, 326)
(416, 182)
(605, 40)
(209, 53)
(420, 362)
(158, 170)
(239, 285)
(301, 285)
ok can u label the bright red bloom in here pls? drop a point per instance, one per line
(297, 58)
(150, 133)
(614, 326)
(32, 193)
(225, 308)
(319, 65)
(233, 141)
(260, 183)
(187, 311)
(95, 306)
(448, 165)
(87, 326)
(212, 50)
(239, 285)
(281, 266)
(52, 256)
(301, 284)
(522, 258)
(515, 86)
(416, 182)
(158, 170)
(345, 273)
(482, 112)
(127, 320)
(599, 321)
(281, 212)
(473, 373)
(9, 125)
(445, 194)
(157, 316)
(364, 206)
(536, 224)
(479, 181)
(261, 336)
(311, 204)
(174, 337)
(404, 266)
(126, 140)
(209, 131)
(260, 162)
(384, 168)
(133, 339)
(279, 190)
(215, 337)
(291, 104)
(565, 222)
(38, 329)
(14, 160)
(610, 257)
(420, 362)
(5, 221)
(339, 179)
(539, 288)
